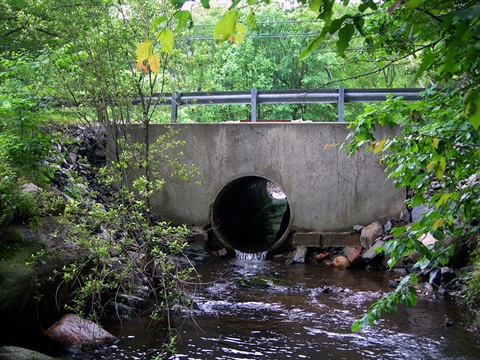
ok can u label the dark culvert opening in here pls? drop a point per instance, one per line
(251, 214)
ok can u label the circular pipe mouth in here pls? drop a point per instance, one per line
(251, 214)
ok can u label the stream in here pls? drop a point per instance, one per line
(253, 309)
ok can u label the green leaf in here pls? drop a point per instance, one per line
(344, 36)
(367, 4)
(183, 18)
(469, 13)
(225, 27)
(206, 4)
(252, 21)
(144, 50)
(413, 4)
(315, 5)
(177, 4)
(472, 112)
(234, 4)
(313, 45)
(358, 21)
(157, 22)
(428, 59)
(166, 37)
(435, 142)
(337, 23)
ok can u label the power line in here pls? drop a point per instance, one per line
(259, 36)
(268, 22)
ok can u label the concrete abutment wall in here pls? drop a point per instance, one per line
(327, 191)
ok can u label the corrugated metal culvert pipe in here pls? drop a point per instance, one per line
(251, 214)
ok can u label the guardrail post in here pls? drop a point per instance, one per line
(341, 104)
(253, 103)
(174, 104)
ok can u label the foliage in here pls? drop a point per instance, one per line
(24, 144)
(437, 142)
(472, 296)
(126, 253)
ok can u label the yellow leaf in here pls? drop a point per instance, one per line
(240, 32)
(154, 63)
(430, 165)
(440, 168)
(437, 224)
(443, 200)
(435, 142)
(144, 50)
(379, 146)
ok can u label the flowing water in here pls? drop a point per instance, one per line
(253, 309)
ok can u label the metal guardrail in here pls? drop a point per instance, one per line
(256, 97)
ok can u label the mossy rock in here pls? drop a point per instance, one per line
(15, 275)
(17, 353)
(30, 292)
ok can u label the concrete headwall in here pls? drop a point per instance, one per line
(326, 189)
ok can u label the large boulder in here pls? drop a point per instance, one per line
(73, 332)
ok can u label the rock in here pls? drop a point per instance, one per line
(321, 256)
(73, 332)
(31, 189)
(405, 216)
(341, 262)
(300, 254)
(418, 211)
(400, 272)
(474, 329)
(18, 353)
(371, 255)
(370, 233)
(426, 240)
(220, 253)
(388, 226)
(392, 284)
(358, 228)
(354, 255)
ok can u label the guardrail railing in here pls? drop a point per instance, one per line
(256, 97)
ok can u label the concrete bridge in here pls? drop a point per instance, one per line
(326, 191)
